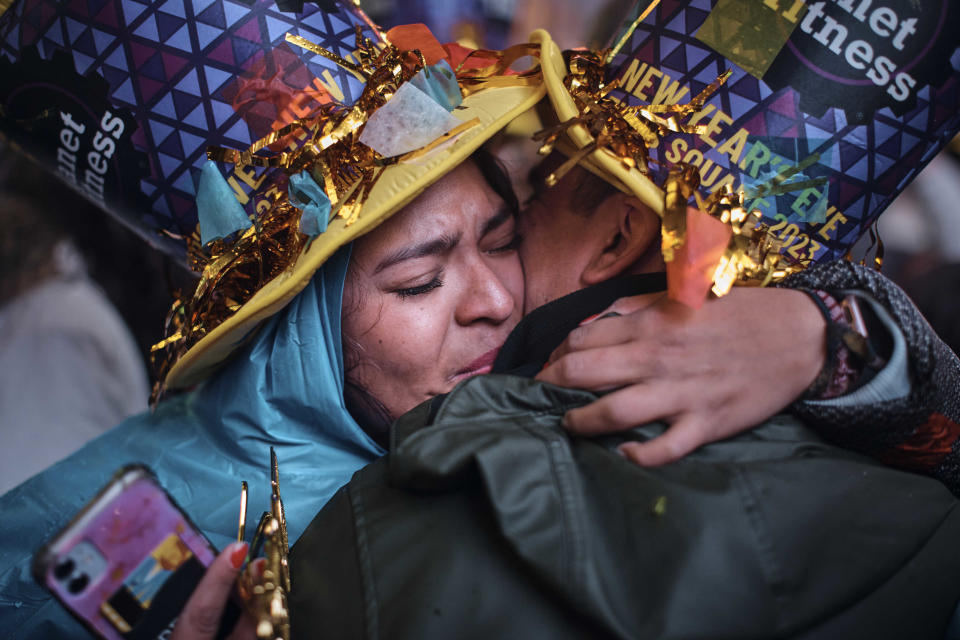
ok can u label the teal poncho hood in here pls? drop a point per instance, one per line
(284, 390)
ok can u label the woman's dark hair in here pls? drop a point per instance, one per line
(496, 176)
(366, 409)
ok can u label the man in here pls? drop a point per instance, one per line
(487, 520)
(890, 414)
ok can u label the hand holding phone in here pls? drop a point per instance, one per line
(200, 618)
(128, 562)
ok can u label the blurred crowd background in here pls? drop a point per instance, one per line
(82, 298)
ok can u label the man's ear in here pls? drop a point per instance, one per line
(629, 228)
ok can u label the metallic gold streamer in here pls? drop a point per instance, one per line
(265, 597)
(629, 32)
(242, 521)
(697, 103)
(329, 55)
(571, 162)
(496, 74)
(876, 245)
(677, 191)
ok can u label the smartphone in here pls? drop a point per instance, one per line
(128, 561)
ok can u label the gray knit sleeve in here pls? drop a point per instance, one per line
(918, 432)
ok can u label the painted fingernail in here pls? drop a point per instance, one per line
(238, 554)
(589, 319)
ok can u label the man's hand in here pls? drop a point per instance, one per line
(710, 373)
(200, 618)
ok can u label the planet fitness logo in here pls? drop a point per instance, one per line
(65, 120)
(856, 55)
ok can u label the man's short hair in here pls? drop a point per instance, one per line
(587, 192)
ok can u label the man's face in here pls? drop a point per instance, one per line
(553, 250)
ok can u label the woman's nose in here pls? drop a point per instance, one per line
(486, 298)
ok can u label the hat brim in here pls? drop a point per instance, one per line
(601, 162)
(397, 186)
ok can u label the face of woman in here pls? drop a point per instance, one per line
(432, 293)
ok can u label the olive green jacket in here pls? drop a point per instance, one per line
(487, 520)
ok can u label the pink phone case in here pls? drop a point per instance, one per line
(127, 563)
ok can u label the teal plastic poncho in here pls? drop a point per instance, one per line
(285, 390)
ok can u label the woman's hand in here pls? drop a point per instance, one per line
(710, 373)
(200, 618)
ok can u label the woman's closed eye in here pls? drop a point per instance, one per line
(408, 292)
